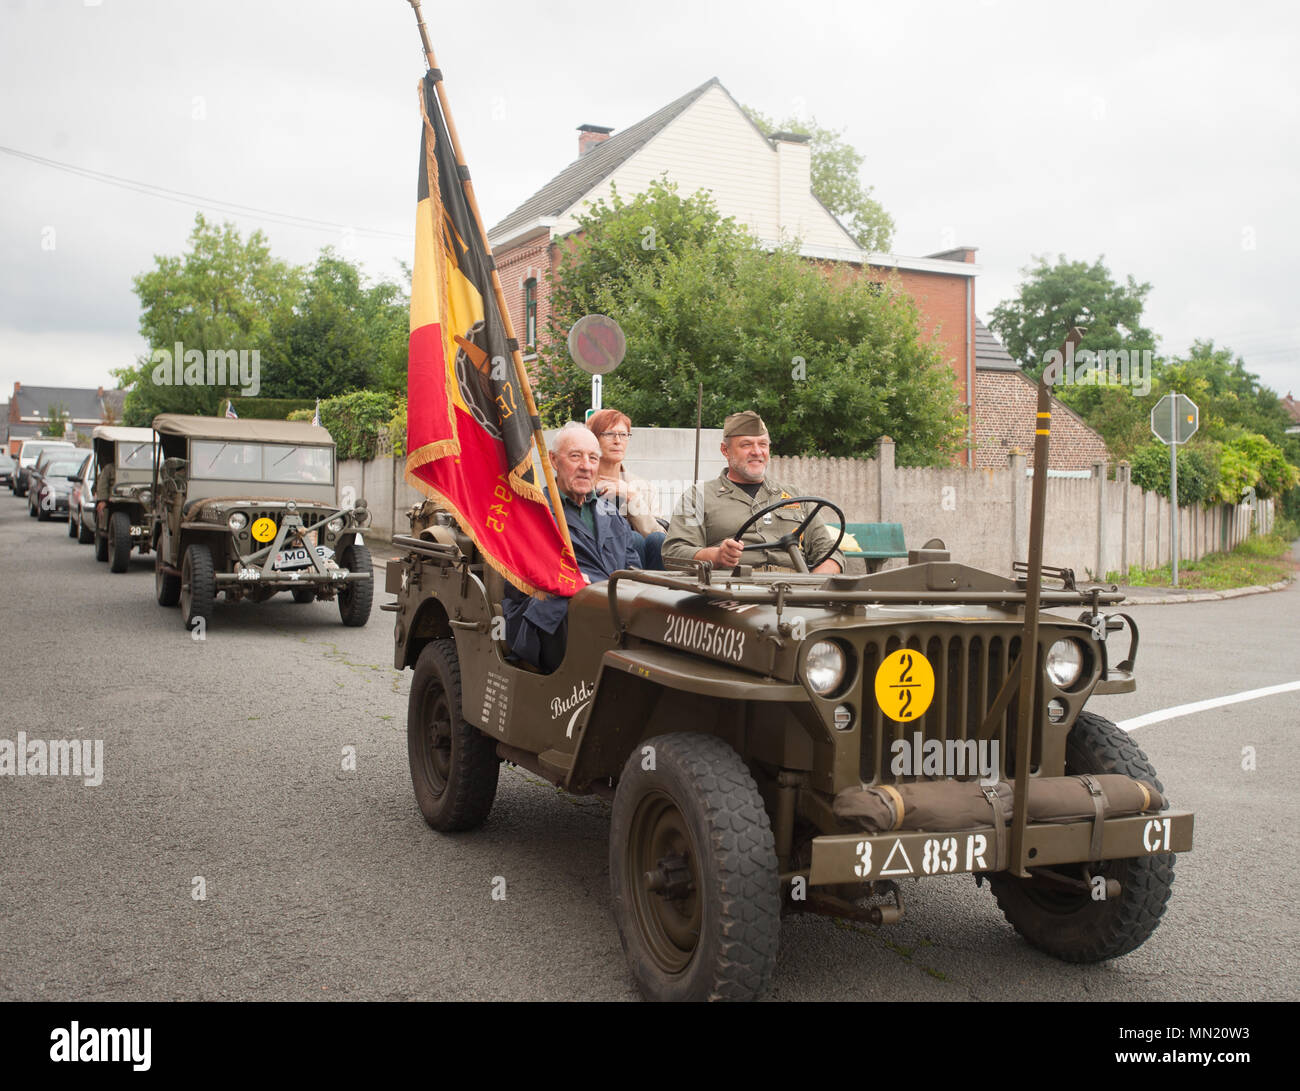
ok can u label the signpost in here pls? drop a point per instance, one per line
(1174, 420)
(597, 345)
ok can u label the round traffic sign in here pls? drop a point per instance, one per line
(597, 344)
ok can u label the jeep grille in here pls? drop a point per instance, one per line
(969, 669)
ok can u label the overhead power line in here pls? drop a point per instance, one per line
(177, 196)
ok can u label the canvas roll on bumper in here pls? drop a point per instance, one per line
(859, 857)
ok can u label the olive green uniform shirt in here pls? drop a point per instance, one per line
(104, 482)
(712, 511)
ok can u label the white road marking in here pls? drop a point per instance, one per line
(1201, 706)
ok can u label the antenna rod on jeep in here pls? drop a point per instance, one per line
(1033, 589)
(521, 376)
(699, 420)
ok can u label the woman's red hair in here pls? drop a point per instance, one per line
(604, 419)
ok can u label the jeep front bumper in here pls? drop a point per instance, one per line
(862, 857)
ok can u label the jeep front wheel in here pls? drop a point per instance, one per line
(355, 597)
(1063, 919)
(166, 585)
(454, 766)
(119, 541)
(693, 872)
(198, 585)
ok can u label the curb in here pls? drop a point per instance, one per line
(1205, 596)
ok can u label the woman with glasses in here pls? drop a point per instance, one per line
(632, 494)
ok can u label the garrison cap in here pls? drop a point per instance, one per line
(747, 423)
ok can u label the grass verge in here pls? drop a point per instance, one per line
(1256, 562)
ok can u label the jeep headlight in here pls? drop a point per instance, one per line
(1064, 663)
(237, 521)
(824, 666)
(335, 524)
(146, 496)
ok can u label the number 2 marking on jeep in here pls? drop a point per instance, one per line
(1151, 835)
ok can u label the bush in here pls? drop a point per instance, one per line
(357, 420)
(1198, 472)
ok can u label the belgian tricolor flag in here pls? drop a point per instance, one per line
(469, 426)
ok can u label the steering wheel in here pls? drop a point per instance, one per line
(790, 541)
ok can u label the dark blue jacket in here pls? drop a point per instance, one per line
(599, 556)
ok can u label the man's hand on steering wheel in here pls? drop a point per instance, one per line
(789, 541)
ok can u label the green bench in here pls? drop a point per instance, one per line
(877, 542)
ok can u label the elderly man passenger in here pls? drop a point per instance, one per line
(711, 511)
(537, 629)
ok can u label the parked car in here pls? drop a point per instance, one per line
(81, 503)
(121, 516)
(51, 483)
(27, 456)
(7, 466)
(251, 507)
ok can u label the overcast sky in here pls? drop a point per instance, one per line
(1165, 137)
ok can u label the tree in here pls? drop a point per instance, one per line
(832, 359)
(837, 180)
(344, 335)
(221, 297)
(58, 416)
(1052, 298)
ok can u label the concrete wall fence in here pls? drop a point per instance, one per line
(1095, 524)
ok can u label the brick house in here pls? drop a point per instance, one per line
(29, 410)
(704, 140)
(1008, 401)
(1292, 408)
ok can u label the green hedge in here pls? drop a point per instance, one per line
(270, 408)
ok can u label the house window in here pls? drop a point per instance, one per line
(530, 312)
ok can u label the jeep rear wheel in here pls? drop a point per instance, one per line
(355, 598)
(198, 585)
(119, 541)
(454, 766)
(1066, 922)
(693, 872)
(101, 544)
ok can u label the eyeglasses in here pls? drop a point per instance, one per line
(616, 435)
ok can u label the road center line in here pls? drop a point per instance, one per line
(1200, 706)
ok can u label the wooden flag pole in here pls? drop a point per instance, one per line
(521, 376)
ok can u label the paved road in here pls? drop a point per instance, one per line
(223, 760)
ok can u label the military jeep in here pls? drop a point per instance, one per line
(121, 517)
(766, 741)
(249, 508)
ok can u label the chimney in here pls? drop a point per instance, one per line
(591, 135)
(794, 181)
(17, 386)
(101, 393)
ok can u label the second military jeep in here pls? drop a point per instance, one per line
(777, 742)
(121, 516)
(248, 508)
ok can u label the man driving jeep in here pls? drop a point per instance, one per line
(603, 543)
(710, 512)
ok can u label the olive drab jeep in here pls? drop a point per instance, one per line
(775, 742)
(249, 508)
(123, 489)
